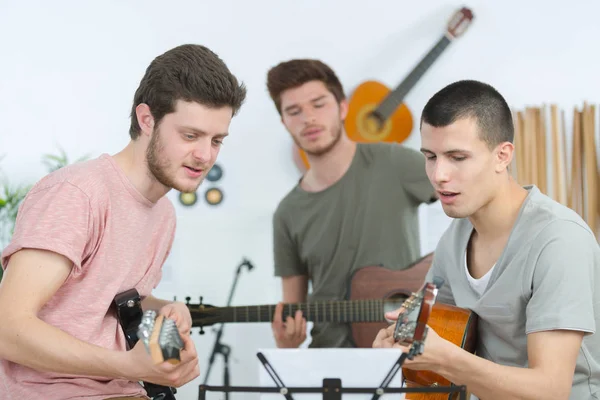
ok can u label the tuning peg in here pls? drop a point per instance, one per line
(187, 300)
(174, 298)
(200, 301)
(201, 330)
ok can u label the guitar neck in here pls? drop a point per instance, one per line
(330, 311)
(395, 97)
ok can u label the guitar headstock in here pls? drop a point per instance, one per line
(459, 22)
(411, 326)
(203, 315)
(161, 337)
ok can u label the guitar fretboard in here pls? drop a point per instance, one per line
(393, 100)
(330, 311)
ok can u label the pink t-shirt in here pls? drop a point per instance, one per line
(117, 239)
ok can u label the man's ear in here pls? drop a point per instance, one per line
(145, 119)
(343, 109)
(504, 155)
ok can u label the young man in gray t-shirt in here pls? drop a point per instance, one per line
(527, 266)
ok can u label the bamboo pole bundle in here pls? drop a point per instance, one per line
(590, 168)
(576, 185)
(559, 189)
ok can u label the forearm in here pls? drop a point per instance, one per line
(491, 381)
(31, 342)
(153, 303)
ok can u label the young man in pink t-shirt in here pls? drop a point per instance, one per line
(92, 230)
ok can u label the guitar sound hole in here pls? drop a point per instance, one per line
(393, 303)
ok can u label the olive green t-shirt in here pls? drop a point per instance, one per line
(368, 217)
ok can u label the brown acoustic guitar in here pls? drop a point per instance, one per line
(378, 114)
(373, 291)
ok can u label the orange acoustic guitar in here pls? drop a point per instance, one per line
(375, 113)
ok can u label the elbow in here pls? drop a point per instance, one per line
(555, 390)
(6, 336)
(12, 325)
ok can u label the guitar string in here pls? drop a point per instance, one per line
(342, 311)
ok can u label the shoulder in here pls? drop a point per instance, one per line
(392, 151)
(287, 204)
(166, 208)
(546, 220)
(86, 177)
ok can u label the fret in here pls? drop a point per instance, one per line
(331, 306)
(346, 313)
(365, 310)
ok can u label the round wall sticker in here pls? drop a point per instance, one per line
(213, 196)
(215, 173)
(188, 199)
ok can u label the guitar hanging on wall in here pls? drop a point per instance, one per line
(378, 114)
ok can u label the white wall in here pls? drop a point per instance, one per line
(68, 71)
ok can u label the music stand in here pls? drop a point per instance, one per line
(308, 367)
(327, 374)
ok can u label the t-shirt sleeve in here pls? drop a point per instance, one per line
(444, 292)
(285, 253)
(56, 218)
(410, 165)
(564, 279)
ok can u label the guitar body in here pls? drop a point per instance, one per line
(457, 325)
(375, 282)
(454, 324)
(360, 128)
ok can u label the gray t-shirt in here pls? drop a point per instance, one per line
(368, 217)
(547, 278)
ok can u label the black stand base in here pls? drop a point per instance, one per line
(332, 388)
(461, 390)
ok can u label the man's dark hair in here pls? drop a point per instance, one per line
(293, 73)
(188, 72)
(478, 100)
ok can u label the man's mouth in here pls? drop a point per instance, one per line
(194, 172)
(447, 194)
(311, 131)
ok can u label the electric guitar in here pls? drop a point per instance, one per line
(159, 335)
(376, 114)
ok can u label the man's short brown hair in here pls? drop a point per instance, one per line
(188, 72)
(294, 73)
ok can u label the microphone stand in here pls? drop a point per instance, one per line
(221, 348)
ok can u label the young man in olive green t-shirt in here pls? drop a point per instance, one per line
(356, 206)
